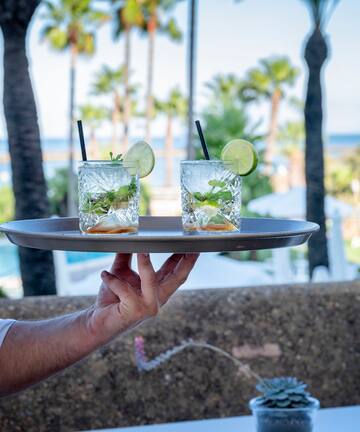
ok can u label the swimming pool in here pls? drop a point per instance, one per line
(9, 261)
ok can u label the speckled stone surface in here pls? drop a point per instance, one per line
(310, 331)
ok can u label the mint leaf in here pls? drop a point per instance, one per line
(199, 196)
(117, 158)
(222, 196)
(102, 203)
(217, 183)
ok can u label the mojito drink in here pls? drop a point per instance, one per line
(108, 197)
(210, 195)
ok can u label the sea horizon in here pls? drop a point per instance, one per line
(336, 145)
(333, 139)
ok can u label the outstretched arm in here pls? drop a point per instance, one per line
(32, 351)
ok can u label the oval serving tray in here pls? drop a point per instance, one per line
(158, 234)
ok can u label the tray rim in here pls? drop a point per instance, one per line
(312, 228)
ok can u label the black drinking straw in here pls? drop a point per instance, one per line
(82, 140)
(202, 140)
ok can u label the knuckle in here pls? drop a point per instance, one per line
(153, 281)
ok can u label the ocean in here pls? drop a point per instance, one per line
(336, 144)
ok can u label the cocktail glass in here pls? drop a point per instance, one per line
(109, 195)
(210, 195)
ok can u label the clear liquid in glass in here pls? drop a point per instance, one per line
(109, 196)
(210, 195)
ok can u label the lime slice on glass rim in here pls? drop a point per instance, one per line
(243, 156)
(141, 156)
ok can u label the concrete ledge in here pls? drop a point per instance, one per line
(310, 331)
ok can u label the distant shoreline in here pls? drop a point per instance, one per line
(331, 140)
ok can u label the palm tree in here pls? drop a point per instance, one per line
(93, 116)
(128, 15)
(155, 14)
(269, 81)
(225, 90)
(174, 106)
(108, 81)
(316, 52)
(70, 25)
(37, 266)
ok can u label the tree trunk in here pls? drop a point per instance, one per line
(169, 150)
(72, 208)
(315, 56)
(126, 117)
(149, 95)
(296, 169)
(116, 117)
(114, 130)
(94, 147)
(270, 142)
(37, 266)
(191, 80)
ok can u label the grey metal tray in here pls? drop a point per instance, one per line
(158, 234)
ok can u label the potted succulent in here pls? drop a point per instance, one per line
(285, 406)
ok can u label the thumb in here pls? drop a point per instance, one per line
(117, 285)
(107, 277)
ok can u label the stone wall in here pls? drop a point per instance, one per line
(310, 331)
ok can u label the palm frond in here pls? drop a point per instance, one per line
(72, 22)
(171, 29)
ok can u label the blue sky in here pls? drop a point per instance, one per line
(232, 36)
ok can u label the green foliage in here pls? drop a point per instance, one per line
(108, 79)
(338, 178)
(216, 197)
(111, 82)
(352, 253)
(2, 293)
(273, 74)
(7, 204)
(353, 161)
(93, 115)
(127, 14)
(57, 191)
(145, 199)
(253, 186)
(291, 137)
(117, 158)
(225, 89)
(283, 392)
(57, 187)
(174, 106)
(224, 123)
(102, 203)
(226, 120)
(72, 24)
(171, 29)
(157, 11)
(341, 173)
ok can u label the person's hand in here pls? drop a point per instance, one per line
(127, 298)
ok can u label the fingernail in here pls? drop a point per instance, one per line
(104, 273)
